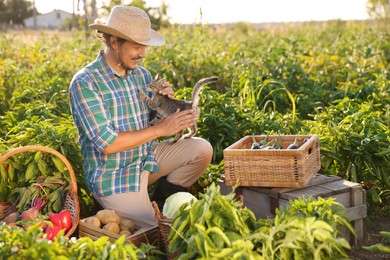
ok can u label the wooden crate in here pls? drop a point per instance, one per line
(145, 232)
(263, 201)
(274, 167)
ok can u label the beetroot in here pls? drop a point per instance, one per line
(33, 212)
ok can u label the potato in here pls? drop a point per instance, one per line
(12, 218)
(112, 227)
(12, 225)
(107, 215)
(125, 232)
(126, 225)
(95, 221)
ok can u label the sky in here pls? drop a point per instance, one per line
(254, 11)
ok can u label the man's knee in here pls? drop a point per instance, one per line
(202, 148)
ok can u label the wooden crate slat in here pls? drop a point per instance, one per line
(356, 212)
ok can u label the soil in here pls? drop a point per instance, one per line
(372, 237)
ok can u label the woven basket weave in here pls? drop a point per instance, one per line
(6, 208)
(71, 200)
(164, 226)
(291, 168)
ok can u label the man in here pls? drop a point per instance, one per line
(120, 154)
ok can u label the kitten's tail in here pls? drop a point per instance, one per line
(198, 86)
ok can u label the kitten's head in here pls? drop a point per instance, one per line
(156, 84)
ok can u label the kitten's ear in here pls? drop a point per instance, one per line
(157, 77)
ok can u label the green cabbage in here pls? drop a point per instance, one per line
(173, 203)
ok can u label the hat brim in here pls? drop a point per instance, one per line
(156, 39)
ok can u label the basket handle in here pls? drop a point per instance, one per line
(157, 212)
(10, 153)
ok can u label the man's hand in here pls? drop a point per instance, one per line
(167, 91)
(176, 122)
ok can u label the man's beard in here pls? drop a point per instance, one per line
(123, 64)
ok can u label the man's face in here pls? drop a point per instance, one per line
(130, 54)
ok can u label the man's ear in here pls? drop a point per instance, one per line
(114, 42)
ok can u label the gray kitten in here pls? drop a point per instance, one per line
(165, 106)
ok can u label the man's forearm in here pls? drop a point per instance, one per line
(130, 139)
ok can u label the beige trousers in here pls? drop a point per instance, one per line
(131, 204)
(183, 163)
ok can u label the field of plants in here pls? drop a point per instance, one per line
(330, 79)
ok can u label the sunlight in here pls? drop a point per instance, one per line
(254, 11)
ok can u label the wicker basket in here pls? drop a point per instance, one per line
(292, 168)
(164, 226)
(6, 208)
(71, 200)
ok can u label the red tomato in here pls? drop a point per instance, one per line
(52, 232)
(56, 220)
(66, 220)
(62, 219)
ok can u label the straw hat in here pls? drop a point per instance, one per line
(130, 23)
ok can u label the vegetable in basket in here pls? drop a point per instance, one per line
(255, 144)
(35, 209)
(62, 220)
(174, 203)
(294, 145)
(52, 232)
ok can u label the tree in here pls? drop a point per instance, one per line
(2, 12)
(15, 11)
(106, 8)
(378, 8)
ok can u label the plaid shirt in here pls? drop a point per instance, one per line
(103, 103)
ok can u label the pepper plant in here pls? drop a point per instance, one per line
(354, 141)
(218, 226)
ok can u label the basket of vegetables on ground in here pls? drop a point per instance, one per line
(47, 191)
(173, 208)
(289, 161)
(173, 205)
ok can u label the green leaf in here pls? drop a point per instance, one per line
(58, 164)
(31, 171)
(42, 166)
(377, 248)
(3, 174)
(319, 224)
